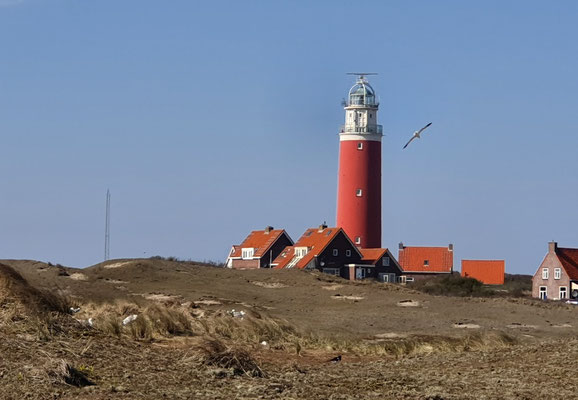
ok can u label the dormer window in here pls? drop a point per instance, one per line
(426, 263)
(300, 251)
(247, 253)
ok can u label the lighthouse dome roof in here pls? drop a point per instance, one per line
(362, 94)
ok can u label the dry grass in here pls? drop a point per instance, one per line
(63, 372)
(157, 321)
(215, 353)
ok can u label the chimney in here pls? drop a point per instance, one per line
(268, 229)
(450, 247)
(552, 246)
(401, 245)
(322, 226)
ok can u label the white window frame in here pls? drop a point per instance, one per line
(300, 251)
(409, 279)
(359, 192)
(359, 146)
(543, 292)
(557, 273)
(385, 261)
(348, 253)
(335, 252)
(563, 289)
(358, 240)
(545, 273)
(247, 253)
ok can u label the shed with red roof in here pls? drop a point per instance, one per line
(419, 262)
(490, 272)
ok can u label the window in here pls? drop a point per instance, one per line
(426, 263)
(359, 146)
(385, 261)
(544, 273)
(557, 273)
(358, 192)
(370, 115)
(331, 271)
(563, 292)
(409, 279)
(300, 251)
(357, 240)
(543, 292)
(247, 253)
(348, 253)
(335, 252)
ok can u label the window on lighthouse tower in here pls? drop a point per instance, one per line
(359, 192)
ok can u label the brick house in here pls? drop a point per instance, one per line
(423, 262)
(380, 264)
(327, 249)
(259, 249)
(557, 276)
(490, 272)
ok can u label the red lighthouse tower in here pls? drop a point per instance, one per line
(359, 182)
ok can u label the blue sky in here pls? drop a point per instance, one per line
(210, 119)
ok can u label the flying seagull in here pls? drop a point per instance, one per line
(416, 135)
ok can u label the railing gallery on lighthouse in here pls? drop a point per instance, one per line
(351, 128)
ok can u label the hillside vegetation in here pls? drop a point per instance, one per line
(204, 332)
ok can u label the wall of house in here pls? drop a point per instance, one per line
(393, 267)
(342, 244)
(421, 276)
(246, 264)
(552, 285)
(282, 242)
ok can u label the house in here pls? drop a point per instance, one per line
(259, 249)
(422, 262)
(490, 272)
(384, 267)
(557, 276)
(328, 249)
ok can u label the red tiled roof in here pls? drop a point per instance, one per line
(569, 259)
(372, 255)
(315, 239)
(490, 272)
(413, 259)
(261, 241)
(284, 257)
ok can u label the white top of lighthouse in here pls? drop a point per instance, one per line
(362, 94)
(361, 112)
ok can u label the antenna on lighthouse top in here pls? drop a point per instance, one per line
(361, 75)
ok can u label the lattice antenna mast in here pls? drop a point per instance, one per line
(107, 228)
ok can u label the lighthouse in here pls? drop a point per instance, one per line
(359, 176)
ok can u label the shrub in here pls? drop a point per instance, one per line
(452, 285)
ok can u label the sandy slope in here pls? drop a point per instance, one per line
(534, 366)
